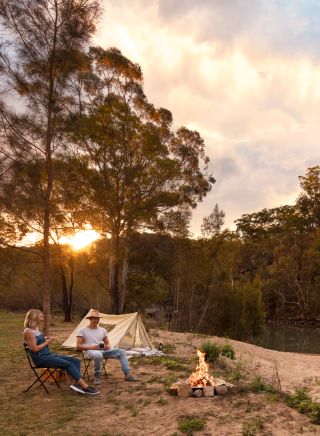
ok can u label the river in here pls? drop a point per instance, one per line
(295, 339)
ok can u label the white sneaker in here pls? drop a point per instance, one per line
(77, 388)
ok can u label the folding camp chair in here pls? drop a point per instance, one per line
(86, 363)
(44, 373)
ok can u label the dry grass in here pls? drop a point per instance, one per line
(138, 408)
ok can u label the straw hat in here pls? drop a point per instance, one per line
(93, 313)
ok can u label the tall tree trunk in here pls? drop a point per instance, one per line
(48, 191)
(70, 299)
(46, 273)
(191, 310)
(124, 276)
(203, 313)
(114, 273)
(175, 313)
(67, 291)
(64, 292)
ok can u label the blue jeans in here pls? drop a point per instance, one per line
(115, 353)
(67, 363)
(48, 360)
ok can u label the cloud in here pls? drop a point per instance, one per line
(244, 74)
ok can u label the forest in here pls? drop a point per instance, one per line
(225, 282)
(82, 145)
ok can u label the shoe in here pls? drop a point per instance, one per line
(77, 388)
(130, 378)
(91, 391)
(97, 380)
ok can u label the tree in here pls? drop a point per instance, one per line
(213, 223)
(43, 52)
(308, 201)
(139, 170)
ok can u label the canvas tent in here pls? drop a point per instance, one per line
(124, 331)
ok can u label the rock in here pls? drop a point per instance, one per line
(208, 391)
(173, 390)
(184, 390)
(197, 393)
(221, 390)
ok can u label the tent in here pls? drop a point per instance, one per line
(124, 331)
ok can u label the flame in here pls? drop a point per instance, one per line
(201, 375)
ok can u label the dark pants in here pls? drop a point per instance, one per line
(67, 363)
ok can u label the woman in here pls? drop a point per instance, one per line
(41, 356)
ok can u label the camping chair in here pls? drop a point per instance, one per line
(86, 363)
(44, 373)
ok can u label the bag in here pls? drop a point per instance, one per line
(59, 375)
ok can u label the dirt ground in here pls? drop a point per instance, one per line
(146, 407)
(291, 369)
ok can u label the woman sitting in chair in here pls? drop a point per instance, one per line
(42, 357)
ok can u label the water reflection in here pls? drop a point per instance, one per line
(284, 338)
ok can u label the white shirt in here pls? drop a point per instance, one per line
(92, 336)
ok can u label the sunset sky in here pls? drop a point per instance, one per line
(245, 74)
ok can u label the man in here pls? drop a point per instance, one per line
(93, 341)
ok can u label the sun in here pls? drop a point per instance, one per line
(81, 239)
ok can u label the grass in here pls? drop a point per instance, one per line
(190, 424)
(171, 363)
(258, 385)
(252, 426)
(126, 408)
(236, 373)
(302, 401)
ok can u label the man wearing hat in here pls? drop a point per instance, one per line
(93, 341)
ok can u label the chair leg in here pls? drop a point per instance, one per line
(38, 379)
(86, 363)
(52, 372)
(104, 366)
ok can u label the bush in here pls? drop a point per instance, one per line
(189, 424)
(212, 351)
(301, 401)
(227, 350)
(258, 385)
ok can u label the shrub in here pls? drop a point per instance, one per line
(258, 385)
(189, 424)
(301, 401)
(212, 351)
(227, 350)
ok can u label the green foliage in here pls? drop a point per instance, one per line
(190, 424)
(302, 401)
(252, 426)
(162, 401)
(212, 351)
(258, 385)
(227, 350)
(236, 373)
(169, 362)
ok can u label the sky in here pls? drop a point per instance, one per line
(245, 74)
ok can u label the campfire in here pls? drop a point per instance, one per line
(201, 377)
(200, 383)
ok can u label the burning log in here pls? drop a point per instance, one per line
(200, 383)
(201, 375)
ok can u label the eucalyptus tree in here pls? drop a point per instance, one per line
(213, 223)
(43, 50)
(141, 174)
